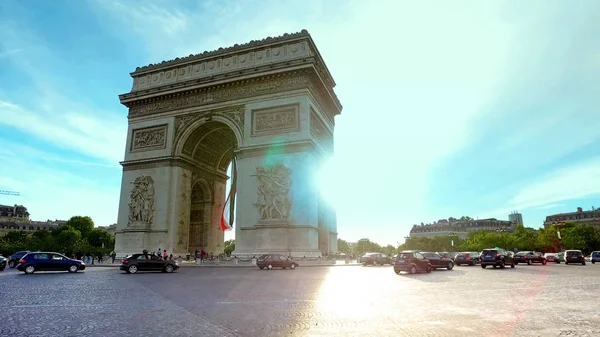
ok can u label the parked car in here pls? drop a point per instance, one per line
(552, 257)
(530, 258)
(48, 261)
(13, 260)
(437, 261)
(375, 259)
(411, 261)
(496, 257)
(147, 262)
(2, 263)
(595, 257)
(574, 256)
(271, 261)
(470, 258)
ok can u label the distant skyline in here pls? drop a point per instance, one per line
(471, 108)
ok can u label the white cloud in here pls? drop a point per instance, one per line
(573, 182)
(93, 134)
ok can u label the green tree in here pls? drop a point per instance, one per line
(343, 246)
(229, 246)
(83, 224)
(100, 238)
(66, 239)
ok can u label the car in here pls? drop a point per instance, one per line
(574, 256)
(496, 257)
(552, 257)
(13, 260)
(530, 257)
(2, 263)
(271, 261)
(375, 259)
(595, 257)
(48, 261)
(411, 261)
(470, 258)
(437, 261)
(147, 262)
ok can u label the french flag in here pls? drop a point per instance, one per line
(228, 209)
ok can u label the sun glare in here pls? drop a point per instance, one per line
(328, 182)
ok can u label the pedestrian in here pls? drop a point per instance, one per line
(165, 254)
(196, 255)
(159, 252)
(113, 256)
(202, 255)
(171, 256)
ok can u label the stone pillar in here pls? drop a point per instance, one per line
(178, 211)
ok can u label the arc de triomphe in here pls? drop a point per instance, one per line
(271, 104)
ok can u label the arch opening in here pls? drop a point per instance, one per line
(210, 146)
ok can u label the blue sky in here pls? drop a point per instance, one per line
(474, 108)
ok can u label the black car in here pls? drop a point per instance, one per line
(2, 263)
(13, 260)
(496, 257)
(48, 261)
(411, 261)
(437, 261)
(530, 258)
(574, 256)
(147, 262)
(470, 258)
(271, 261)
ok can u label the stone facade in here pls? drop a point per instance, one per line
(581, 217)
(269, 103)
(461, 228)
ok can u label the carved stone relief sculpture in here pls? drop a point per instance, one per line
(281, 119)
(149, 138)
(273, 192)
(141, 205)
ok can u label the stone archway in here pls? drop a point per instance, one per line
(271, 104)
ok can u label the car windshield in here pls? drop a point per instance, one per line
(489, 251)
(574, 252)
(403, 256)
(525, 252)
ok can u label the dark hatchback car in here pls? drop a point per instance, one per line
(470, 258)
(271, 261)
(574, 256)
(147, 262)
(496, 257)
(437, 261)
(411, 261)
(375, 259)
(530, 258)
(2, 263)
(48, 261)
(13, 260)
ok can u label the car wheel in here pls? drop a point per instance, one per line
(544, 263)
(495, 266)
(529, 262)
(450, 266)
(583, 264)
(512, 265)
(502, 265)
(169, 268)
(72, 268)
(261, 268)
(428, 269)
(413, 269)
(132, 269)
(593, 262)
(293, 266)
(270, 266)
(29, 270)
(483, 266)
(396, 271)
(472, 264)
(12, 264)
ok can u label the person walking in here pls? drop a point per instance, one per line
(165, 255)
(113, 256)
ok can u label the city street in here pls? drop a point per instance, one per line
(533, 300)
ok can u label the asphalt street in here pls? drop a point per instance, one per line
(552, 300)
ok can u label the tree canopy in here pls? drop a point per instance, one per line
(76, 236)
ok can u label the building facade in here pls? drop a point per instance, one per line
(461, 228)
(516, 218)
(580, 217)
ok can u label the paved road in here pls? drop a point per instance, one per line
(534, 300)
